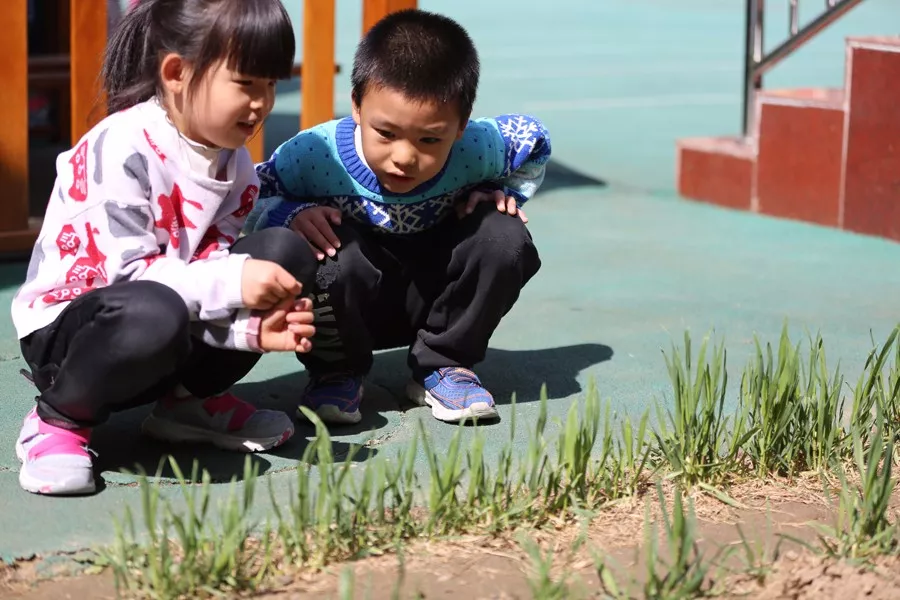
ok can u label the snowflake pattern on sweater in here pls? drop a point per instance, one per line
(321, 166)
(126, 206)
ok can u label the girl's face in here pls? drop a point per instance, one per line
(224, 110)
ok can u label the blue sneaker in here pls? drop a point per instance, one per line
(454, 394)
(334, 397)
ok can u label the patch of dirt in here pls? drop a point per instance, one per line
(23, 580)
(808, 577)
(476, 567)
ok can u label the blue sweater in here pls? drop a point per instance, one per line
(321, 167)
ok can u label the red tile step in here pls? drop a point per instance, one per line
(717, 170)
(872, 167)
(823, 156)
(800, 156)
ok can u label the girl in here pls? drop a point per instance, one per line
(138, 289)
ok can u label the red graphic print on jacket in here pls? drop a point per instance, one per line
(153, 145)
(84, 272)
(78, 191)
(68, 242)
(90, 267)
(247, 200)
(172, 217)
(211, 242)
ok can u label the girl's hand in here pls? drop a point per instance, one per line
(287, 327)
(265, 284)
(505, 204)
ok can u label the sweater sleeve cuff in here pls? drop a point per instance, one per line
(283, 213)
(234, 296)
(246, 330)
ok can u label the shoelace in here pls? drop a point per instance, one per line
(460, 375)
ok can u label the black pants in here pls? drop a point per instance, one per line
(441, 292)
(128, 344)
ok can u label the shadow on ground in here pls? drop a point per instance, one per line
(122, 451)
(559, 176)
(504, 372)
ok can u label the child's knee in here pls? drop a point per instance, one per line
(351, 266)
(153, 321)
(504, 243)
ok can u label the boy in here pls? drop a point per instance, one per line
(391, 200)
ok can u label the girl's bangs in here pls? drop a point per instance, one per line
(259, 38)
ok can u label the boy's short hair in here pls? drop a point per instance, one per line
(424, 55)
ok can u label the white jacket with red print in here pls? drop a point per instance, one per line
(133, 200)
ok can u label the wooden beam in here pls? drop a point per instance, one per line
(317, 84)
(87, 30)
(14, 133)
(375, 10)
(256, 146)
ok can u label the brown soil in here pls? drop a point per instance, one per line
(478, 567)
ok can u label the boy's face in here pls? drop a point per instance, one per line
(405, 142)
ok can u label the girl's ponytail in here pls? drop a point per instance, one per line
(130, 62)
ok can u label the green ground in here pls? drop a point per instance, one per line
(627, 265)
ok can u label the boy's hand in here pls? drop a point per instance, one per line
(314, 226)
(265, 284)
(505, 204)
(287, 327)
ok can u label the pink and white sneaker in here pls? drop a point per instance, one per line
(224, 421)
(55, 461)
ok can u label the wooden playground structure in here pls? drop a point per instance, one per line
(72, 75)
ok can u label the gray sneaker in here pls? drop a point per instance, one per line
(224, 421)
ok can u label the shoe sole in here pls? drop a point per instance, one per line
(332, 415)
(178, 433)
(422, 397)
(36, 486)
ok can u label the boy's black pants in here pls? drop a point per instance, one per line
(442, 292)
(129, 344)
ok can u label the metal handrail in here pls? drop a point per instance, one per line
(757, 62)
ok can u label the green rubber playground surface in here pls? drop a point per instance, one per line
(627, 265)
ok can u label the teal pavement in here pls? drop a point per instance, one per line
(627, 265)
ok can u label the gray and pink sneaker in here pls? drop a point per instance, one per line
(55, 461)
(224, 421)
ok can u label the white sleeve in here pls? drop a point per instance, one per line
(210, 287)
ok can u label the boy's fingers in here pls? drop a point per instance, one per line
(330, 240)
(511, 207)
(474, 199)
(334, 215)
(329, 234)
(319, 254)
(522, 216)
(318, 240)
(500, 200)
